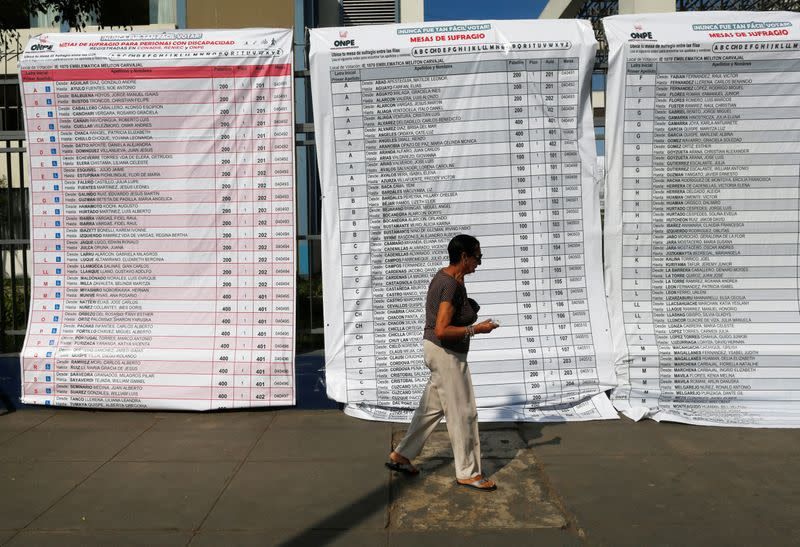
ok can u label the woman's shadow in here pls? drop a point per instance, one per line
(409, 496)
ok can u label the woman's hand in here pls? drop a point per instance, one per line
(485, 327)
(443, 330)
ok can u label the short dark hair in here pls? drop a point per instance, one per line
(462, 243)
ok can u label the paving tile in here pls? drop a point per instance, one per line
(634, 489)
(608, 437)
(762, 492)
(27, 489)
(187, 437)
(213, 419)
(789, 533)
(293, 538)
(106, 419)
(140, 496)
(321, 482)
(742, 441)
(77, 436)
(290, 494)
(504, 538)
(88, 539)
(322, 419)
(495, 443)
(14, 423)
(371, 443)
(616, 497)
(626, 534)
(432, 501)
(649, 437)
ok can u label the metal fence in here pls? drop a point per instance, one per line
(14, 219)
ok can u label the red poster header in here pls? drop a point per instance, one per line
(149, 73)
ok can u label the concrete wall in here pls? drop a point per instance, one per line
(211, 14)
(412, 11)
(646, 6)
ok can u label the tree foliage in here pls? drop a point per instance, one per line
(74, 13)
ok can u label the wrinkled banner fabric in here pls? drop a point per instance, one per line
(483, 127)
(702, 226)
(162, 219)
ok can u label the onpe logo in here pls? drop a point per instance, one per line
(40, 47)
(639, 34)
(344, 43)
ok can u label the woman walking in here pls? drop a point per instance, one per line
(449, 325)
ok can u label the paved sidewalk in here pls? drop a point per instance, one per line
(295, 478)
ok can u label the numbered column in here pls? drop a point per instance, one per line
(534, 361)
(572, 208)
(521, 208)
(283, 259)
(556, 273)
(263, 317)
(245, 220)
(225, 337)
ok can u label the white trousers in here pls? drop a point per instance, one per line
(448, 393)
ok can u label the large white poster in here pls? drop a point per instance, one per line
(483, 127)
(702, 224)
(162, 183)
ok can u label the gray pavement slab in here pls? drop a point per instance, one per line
(635, 483)
(117, 539)
(293, 538)
(324, 443)
(607, 437)
(14, 423)
(683, 535)
(304, 494)
(627, 437)
(77, 436)
(495, 443)
(433, 501)
(199, 437)
(27, 489)
(140, 496)
(98, 419)
(740, 441)
(317, 478)
(480, 538)
(321, 419)
(641, 490)
(620, 500)
(790, 534)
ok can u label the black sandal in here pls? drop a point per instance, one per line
(404, 468)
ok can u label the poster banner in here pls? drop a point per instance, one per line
(162, 219)
(702, 226)
(426, 131)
